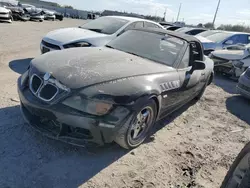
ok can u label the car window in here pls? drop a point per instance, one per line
(235, 39)
(243, 39)
(160, 48)
(151, 25)
(196, 54)
(134, 25)
(106, 25)
(207, 33)
(185, 59)
(219, 37)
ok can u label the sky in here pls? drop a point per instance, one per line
(192, 11)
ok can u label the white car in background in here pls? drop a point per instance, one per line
(5, 15)
(98, 32)
(233, 61)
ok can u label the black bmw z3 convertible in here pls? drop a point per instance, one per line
(113, 93)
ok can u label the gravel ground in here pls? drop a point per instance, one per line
(193, 147)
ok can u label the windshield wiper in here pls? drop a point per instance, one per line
(96, 30)
(109, 47)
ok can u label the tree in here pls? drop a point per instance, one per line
(238, 28)
(68, 6)
(209, 25)
(200, 25)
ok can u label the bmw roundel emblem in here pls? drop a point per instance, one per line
(46, 76)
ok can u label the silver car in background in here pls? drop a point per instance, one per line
(98, 32)
(243, 86)
(221, 40)
(5, 15)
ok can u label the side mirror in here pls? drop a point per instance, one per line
(229, 42)
(198, 65)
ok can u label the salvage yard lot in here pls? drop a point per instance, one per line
(193, 147)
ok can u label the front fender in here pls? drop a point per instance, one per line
(124, 91)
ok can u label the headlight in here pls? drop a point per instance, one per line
(77, 44)
(88, 106)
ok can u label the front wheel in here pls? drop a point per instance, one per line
(238, 175)
(136, 129)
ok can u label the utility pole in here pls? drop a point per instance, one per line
(215, 15)
(178, 13)
(164, 17)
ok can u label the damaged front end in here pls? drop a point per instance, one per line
(60, 113)
(232, 68)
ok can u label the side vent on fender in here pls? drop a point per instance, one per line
(170, 85)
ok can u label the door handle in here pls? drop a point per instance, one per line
(202, 74)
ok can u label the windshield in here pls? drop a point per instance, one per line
(157, 47)
(207, 33)
(106, 25)
(219, 37)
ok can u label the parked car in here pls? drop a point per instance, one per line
(49, 15)
(191, 31)
(36, 14)
(17, 12)
(94, 33)
(59, 16)
(221, 40)
(116, 92)
(243, 86)
(232, 61)
(5, 15)
(172, 28)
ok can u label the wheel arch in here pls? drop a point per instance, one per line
(211, 78)
(157, 101)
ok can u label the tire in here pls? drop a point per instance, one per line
(124, 135)
(242, 162)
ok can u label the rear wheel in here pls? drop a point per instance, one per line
(136, 129)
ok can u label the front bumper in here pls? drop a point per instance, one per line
(5, 18)
(60, 123)
(243, 86)
(243, 92)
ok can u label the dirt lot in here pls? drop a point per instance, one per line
(193, 147)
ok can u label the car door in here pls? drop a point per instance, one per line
(191, 81)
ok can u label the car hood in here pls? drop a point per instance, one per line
(80, 67)
(231, 54)
(4, 10)
(68, 35)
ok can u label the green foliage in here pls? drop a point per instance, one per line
(209, 25)
(68, 6)
(238, 28)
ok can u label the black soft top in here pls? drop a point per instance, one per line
(182, 36)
